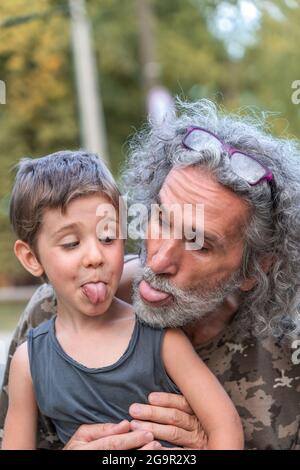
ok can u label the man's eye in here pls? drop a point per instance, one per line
(69, 246)
(106, 240)
(198, 247)
(202, 248)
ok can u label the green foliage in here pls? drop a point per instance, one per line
(41, 114)
(10, 314)
(271, 67)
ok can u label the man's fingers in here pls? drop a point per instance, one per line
(154, 445)
(131, 440)
(170, 400)
(92, 432)
(172, 434)
(173, 448)
(160, 415)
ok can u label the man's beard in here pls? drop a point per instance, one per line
(187, 305)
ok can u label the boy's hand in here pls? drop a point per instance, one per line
(170, 418)
(110, 437)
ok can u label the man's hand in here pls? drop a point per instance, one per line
(170, 418)
(111, 437)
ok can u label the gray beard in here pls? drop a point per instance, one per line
(187, 306)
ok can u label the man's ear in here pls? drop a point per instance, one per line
(266, 263)
(28, 259)
(247, 284)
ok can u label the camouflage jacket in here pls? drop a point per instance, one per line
(262, 376)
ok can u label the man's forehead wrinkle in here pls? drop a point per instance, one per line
(198, 181)
(225, 212)
(182, 188)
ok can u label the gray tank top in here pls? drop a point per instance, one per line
(71, 394)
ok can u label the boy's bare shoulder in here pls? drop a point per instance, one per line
(173, 335)
(19, 371)
(20, 357)
(175, 340)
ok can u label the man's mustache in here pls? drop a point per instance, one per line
(155, 280)
(160, 282)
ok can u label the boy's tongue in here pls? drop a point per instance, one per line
(95, 291)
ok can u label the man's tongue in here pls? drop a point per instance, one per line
(150, 294)
(95, 291)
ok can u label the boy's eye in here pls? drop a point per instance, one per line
(69, 246)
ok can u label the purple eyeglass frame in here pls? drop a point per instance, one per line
(268, 176)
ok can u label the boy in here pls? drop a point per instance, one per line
(94, 358)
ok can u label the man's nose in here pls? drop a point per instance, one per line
(165, 258)
(93, 256)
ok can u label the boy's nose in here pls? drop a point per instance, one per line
(93, 256)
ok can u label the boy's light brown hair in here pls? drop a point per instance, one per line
(52, 182)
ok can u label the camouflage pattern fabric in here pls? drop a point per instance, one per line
(262, 376)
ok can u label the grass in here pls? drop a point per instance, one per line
(10, 313)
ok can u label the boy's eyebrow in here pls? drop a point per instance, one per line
(64, 228)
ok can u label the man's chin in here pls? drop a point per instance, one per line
(168, 314)
(153, 315)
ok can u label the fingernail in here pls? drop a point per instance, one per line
(149, 435)
(154, 397)
(136, 409)
(157, 445)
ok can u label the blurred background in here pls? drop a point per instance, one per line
(77, 73)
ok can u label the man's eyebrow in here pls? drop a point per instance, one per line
(65, 228)
(213, 239)
(210, 237)
(207, 235)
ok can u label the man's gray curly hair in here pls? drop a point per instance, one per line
(274, 230)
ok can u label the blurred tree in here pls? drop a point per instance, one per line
(41, 113)
(270, 67)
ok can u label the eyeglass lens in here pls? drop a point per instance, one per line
(246, 167)
(198, 140)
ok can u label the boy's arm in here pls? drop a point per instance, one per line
(21, 420)
(203, 391)
(40, 308)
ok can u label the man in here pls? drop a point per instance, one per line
(236, 296)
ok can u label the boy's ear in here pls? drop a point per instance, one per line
(28, 259)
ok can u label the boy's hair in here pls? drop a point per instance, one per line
(52, 182)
